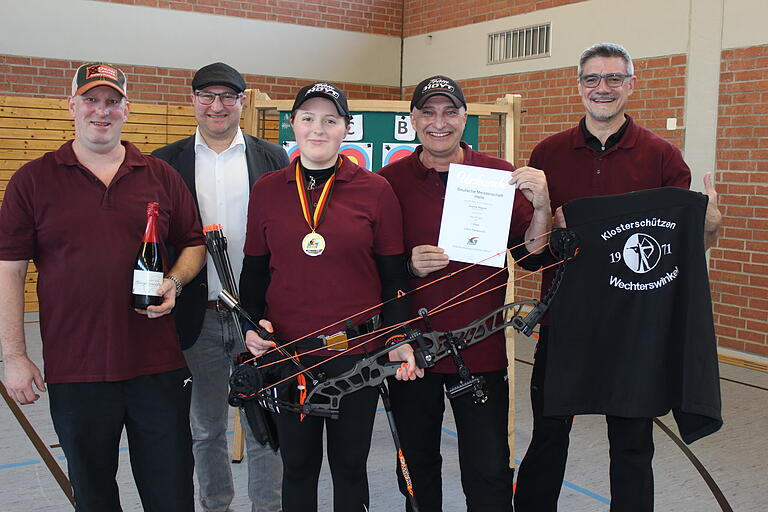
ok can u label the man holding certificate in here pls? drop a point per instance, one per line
(438, 114)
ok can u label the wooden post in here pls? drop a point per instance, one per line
(511, 102)
(42, 449)
(238, 439)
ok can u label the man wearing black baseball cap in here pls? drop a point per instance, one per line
(438, 115)
(219, 164)
(79, 212)
(438, 85)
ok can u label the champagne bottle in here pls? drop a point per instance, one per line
(148, 271)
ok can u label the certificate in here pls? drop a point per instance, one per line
(476, 215)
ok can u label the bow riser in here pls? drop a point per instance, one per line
(325, 398)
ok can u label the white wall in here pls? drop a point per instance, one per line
(702, 94)
(128, 34)
(744, 23)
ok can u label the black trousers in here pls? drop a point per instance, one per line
(486, 477)
(154, 410)
(349, 441)
(541, 472)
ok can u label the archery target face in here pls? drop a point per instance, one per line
(360, 153)
(394, 152)
(291, 149)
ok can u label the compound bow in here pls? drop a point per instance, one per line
(257, 379)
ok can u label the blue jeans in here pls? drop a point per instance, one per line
(210, 362)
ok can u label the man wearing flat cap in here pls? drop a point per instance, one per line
(80, 213)
(438, 115)
(219, 164)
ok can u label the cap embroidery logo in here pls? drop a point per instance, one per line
(97, 70)
(438, 83)
(324, 88)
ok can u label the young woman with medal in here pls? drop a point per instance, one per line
(324, 242)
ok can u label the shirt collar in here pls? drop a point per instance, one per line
(65, 155)
(237, 140)
(343, 173)
(614, 139)
(423, 171)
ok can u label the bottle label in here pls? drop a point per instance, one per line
(146, 282)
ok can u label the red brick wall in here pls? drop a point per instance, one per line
(30, 76)
(369, 16)
(424, 16)
(552, 104)
(740, 262)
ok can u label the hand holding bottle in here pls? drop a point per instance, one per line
(148, 270)
(148, 273)
(167, 292)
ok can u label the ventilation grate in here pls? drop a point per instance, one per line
(519, 44)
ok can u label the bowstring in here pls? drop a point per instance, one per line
(439, 309)
(466, 290)
(421, 287)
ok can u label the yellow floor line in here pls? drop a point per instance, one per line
(744, 363)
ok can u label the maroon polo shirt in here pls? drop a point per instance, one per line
(421, 193)
(83, 237)
(306, 293)
(640, 160)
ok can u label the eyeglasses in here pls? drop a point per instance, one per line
(612, 80)
(228, 99)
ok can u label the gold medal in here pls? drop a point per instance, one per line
(313, 244)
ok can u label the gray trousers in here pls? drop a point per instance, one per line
(209, 360)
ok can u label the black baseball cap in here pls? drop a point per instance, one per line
(218, 73)
(94, 74)
(323, 90)
(438, 85)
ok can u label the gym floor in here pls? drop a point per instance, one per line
(736, 457)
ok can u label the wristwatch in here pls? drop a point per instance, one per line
(177, 282)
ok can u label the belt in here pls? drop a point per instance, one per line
(215, 304)
(338, 341)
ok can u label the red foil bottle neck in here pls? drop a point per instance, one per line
(150, 233)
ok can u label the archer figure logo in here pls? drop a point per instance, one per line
(641, 253)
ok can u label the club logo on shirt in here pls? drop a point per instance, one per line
(641, 253)
(632, 248)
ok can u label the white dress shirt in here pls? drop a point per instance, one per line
(221, 183)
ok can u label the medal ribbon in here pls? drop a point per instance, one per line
(313, 220)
